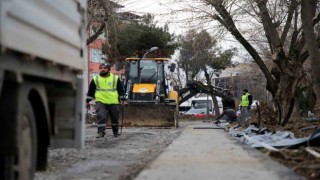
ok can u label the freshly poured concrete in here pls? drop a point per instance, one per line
(212, 154)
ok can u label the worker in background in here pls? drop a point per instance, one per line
(107, 90)
(246, 99)
(229, 114)
(245, 105)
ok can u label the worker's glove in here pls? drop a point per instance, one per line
(88, 100)
(248, 107)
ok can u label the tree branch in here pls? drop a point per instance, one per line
(294, 46)
(93, 6)
(287, 26)
(96, 34)
(228, 23)
(268, 25)
(316, 19)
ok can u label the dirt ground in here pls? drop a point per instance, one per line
(108, 158)
(299, 160)
(125, 157)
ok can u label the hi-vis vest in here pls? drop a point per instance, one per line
(106, 89)
(245, 100)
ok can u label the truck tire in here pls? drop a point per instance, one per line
(25, 158)
(21, 165)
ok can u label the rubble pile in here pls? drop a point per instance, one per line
(297, 145)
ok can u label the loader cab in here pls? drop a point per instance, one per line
(146, 71)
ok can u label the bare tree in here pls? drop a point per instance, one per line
(278, 35)
(200, 54)
(190, 67)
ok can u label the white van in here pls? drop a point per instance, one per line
(203, 103)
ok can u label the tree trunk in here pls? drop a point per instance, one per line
(284, 97)
(215, 105)
(187, 73)
(308, 9)
(214, 98)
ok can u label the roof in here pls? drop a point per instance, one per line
(128, 16)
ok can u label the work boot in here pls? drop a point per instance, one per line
(115, 131)
(100, 135)
(116, 134)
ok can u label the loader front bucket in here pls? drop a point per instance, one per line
(149, 115)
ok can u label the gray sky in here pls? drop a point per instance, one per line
(161, 10)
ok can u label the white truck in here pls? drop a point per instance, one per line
(42, 62)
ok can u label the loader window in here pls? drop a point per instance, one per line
(133, 72)
(149, 71)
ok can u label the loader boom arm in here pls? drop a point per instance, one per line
(196, 87)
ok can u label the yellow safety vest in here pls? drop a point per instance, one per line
(106, 89)
(245, 99)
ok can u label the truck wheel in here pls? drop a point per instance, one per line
(18, 146)
(25, 158)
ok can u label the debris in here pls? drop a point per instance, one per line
(263, 138)
(309, 127)
(313, 152)
(313, 119)
(261, 143)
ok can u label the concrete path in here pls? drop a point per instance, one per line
(212, 154)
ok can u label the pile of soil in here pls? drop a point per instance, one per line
(299, 160)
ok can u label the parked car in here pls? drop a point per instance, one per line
(198, 113)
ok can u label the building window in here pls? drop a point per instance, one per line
(96, 55)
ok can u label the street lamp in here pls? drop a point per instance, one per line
(150, 50)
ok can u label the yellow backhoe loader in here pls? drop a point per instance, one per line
(150, 101)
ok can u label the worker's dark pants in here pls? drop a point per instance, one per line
(102, 110)
(245, 114)
(229, 119)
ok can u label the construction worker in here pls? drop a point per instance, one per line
(107, 89)
(246, 101)
(229, 114)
